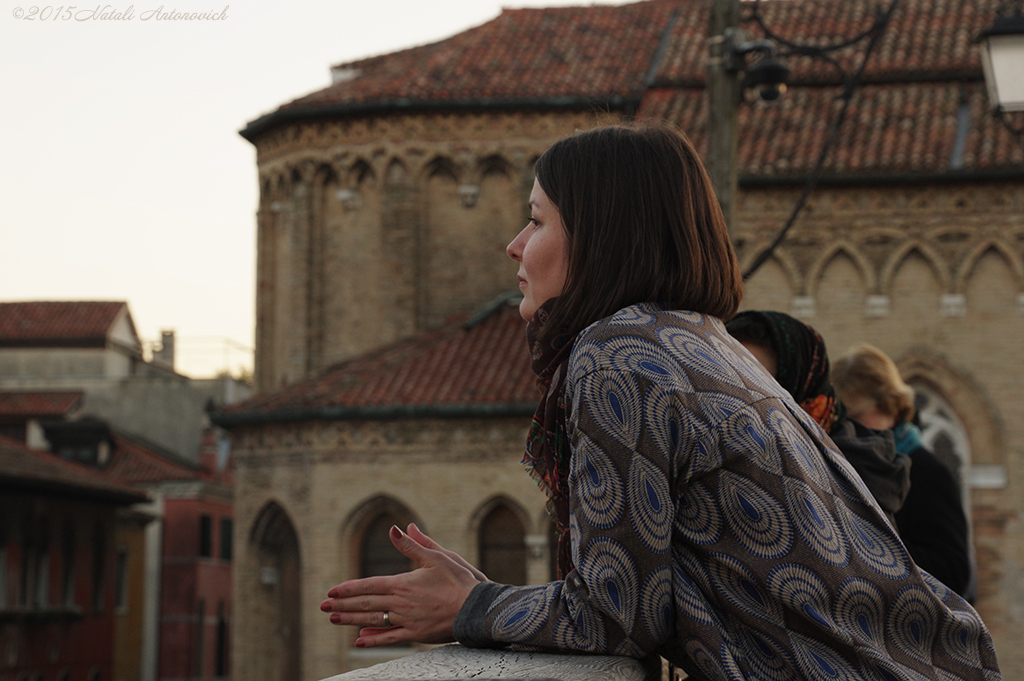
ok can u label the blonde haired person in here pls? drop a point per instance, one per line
(931, 521)
(870, 385)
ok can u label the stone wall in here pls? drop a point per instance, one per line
(372, 229)
(330, 478)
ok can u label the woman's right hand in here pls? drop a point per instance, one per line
(423, 540)
(420, 605)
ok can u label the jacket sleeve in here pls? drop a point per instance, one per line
(932, 523)
(618, 599)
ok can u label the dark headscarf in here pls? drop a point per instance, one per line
(547, 446)
(803, 369)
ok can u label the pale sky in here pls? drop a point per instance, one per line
(122, 174)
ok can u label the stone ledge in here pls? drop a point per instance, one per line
(457, 662)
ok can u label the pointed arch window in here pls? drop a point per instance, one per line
(377, 555)
(502, 542)
(942, 431)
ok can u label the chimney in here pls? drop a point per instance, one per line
(165, 355)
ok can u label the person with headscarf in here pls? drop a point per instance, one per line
(795, 354)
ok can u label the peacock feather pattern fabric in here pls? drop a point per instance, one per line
(714, 522)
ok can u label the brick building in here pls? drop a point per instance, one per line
(386, 200)
(75, 387)
(69, 557)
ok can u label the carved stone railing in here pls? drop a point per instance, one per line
(456, 662)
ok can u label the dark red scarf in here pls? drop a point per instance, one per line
(547, 446)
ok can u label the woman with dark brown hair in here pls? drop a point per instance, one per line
(705, 516)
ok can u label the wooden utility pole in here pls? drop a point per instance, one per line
(724, 91)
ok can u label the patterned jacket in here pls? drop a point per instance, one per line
(715, 523)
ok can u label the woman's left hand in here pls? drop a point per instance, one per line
(421, 605)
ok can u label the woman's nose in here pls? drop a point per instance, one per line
(515, 247)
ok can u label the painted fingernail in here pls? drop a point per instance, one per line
(396, 533)
(326, 606)
(335, 618)
(360, 643)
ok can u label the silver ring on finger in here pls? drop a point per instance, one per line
(387, 619)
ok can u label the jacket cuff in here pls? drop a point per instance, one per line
(469, 627)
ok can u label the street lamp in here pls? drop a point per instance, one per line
(767, 74)
(1002, 58)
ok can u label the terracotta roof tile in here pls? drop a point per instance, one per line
(28, 470)
(890, 128)
(925, 38)
(486, 364)
(68, 322)
(598, 51)
(18, 404)
(138, 462)
(903, 119)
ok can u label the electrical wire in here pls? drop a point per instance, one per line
(876, 31)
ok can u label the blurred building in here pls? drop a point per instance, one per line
(386, 201)
(93, 347)
(70, 563)
(75, 387)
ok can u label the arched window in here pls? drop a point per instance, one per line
(502, 542)
(274, 608)
(942, 431)
(377, 555)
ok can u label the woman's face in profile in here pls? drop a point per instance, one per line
(540, 250)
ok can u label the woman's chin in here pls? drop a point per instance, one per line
(527, 309)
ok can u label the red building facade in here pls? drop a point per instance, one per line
(62, 578)
(195, 603)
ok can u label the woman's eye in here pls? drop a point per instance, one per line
(534, 221)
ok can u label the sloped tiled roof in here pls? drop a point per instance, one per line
(906, 117)
(138, 462)
(35, 404)
(889, 129)
(925, 39)
(485, 365)
(67, 323)
(28, 470)
(579, 52)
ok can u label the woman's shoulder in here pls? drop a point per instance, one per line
(656, 341)
(647, 319)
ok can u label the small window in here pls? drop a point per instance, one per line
(3, 575)
(226, 532)
(99, 569)
(67, 597)
(205, 536)
(42, 577)
(121, 580)
(221, 659)
(198, 645)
